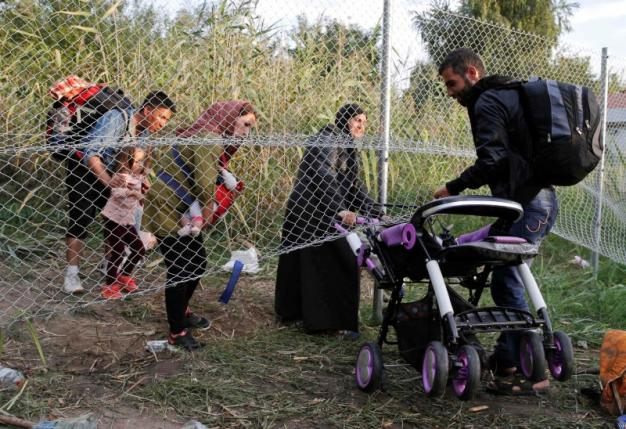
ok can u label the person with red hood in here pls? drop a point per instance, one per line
(187, 174)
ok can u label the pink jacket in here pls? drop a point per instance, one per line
(124, 202)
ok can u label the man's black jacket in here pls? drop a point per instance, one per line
(502, 142)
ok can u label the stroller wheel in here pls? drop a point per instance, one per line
(532, 356)
(561, 358)
(467, 373)
(368, 372)
(435, 369)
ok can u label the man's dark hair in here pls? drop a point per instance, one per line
(460, 59)
(159, 99)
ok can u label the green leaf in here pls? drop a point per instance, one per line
(75, 13)
(86, 29)
(26, 33)
(111, 10)
(57, 58)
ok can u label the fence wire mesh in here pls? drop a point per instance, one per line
(296, 71)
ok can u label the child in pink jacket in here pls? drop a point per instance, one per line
(119, 223)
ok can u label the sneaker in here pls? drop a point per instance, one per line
(184, 340)
(112, 291)
(72, 284)
(195, 231)
(197, 322)
(127, 283)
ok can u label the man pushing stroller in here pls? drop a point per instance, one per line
(502, 140)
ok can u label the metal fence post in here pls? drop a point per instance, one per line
(597, 221)
(383, 153)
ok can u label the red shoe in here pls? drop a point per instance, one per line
(112, 291)
(127, 283)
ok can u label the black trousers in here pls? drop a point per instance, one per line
(119, 237)
(185, 260)
(86, 197)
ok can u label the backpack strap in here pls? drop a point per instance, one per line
(177, 187)
(182, 193)
(183, 165)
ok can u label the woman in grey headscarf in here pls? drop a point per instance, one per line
(319, 285)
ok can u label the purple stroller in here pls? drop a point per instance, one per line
(437, 334)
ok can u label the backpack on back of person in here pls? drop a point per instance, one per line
(563, 121)
(78, 105)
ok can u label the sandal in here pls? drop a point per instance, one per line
(517, 385)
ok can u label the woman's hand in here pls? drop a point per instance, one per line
(347, 217)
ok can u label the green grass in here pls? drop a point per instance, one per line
(284, 377)
(281, 377)
(581, 305)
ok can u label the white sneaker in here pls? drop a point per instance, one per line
(195, 231)
(72, 284)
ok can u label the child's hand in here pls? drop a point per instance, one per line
(145, 185)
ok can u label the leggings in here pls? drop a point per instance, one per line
(119, 237)
(185, 260)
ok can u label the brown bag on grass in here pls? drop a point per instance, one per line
(613, 372)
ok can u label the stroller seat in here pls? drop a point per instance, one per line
(461, 258)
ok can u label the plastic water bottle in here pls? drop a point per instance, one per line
(158, 346)
(355, 242)
(10, 377)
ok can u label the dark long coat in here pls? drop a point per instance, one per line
(320, 284)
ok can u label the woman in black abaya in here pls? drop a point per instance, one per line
(319, 284)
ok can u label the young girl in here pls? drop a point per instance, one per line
(119, 223)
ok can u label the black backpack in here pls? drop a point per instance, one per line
(69, 120)
(563, 121)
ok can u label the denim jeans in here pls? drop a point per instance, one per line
(507, 289)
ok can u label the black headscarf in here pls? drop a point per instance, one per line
(344, 114)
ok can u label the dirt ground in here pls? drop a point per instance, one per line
(94, 360)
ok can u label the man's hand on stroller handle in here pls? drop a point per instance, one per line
(441, 192)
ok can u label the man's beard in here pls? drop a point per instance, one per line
(464, 96)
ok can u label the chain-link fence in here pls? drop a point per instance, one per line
(296, 71)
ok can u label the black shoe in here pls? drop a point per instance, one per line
(501, 368)
(184, 340)
(197, 322)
